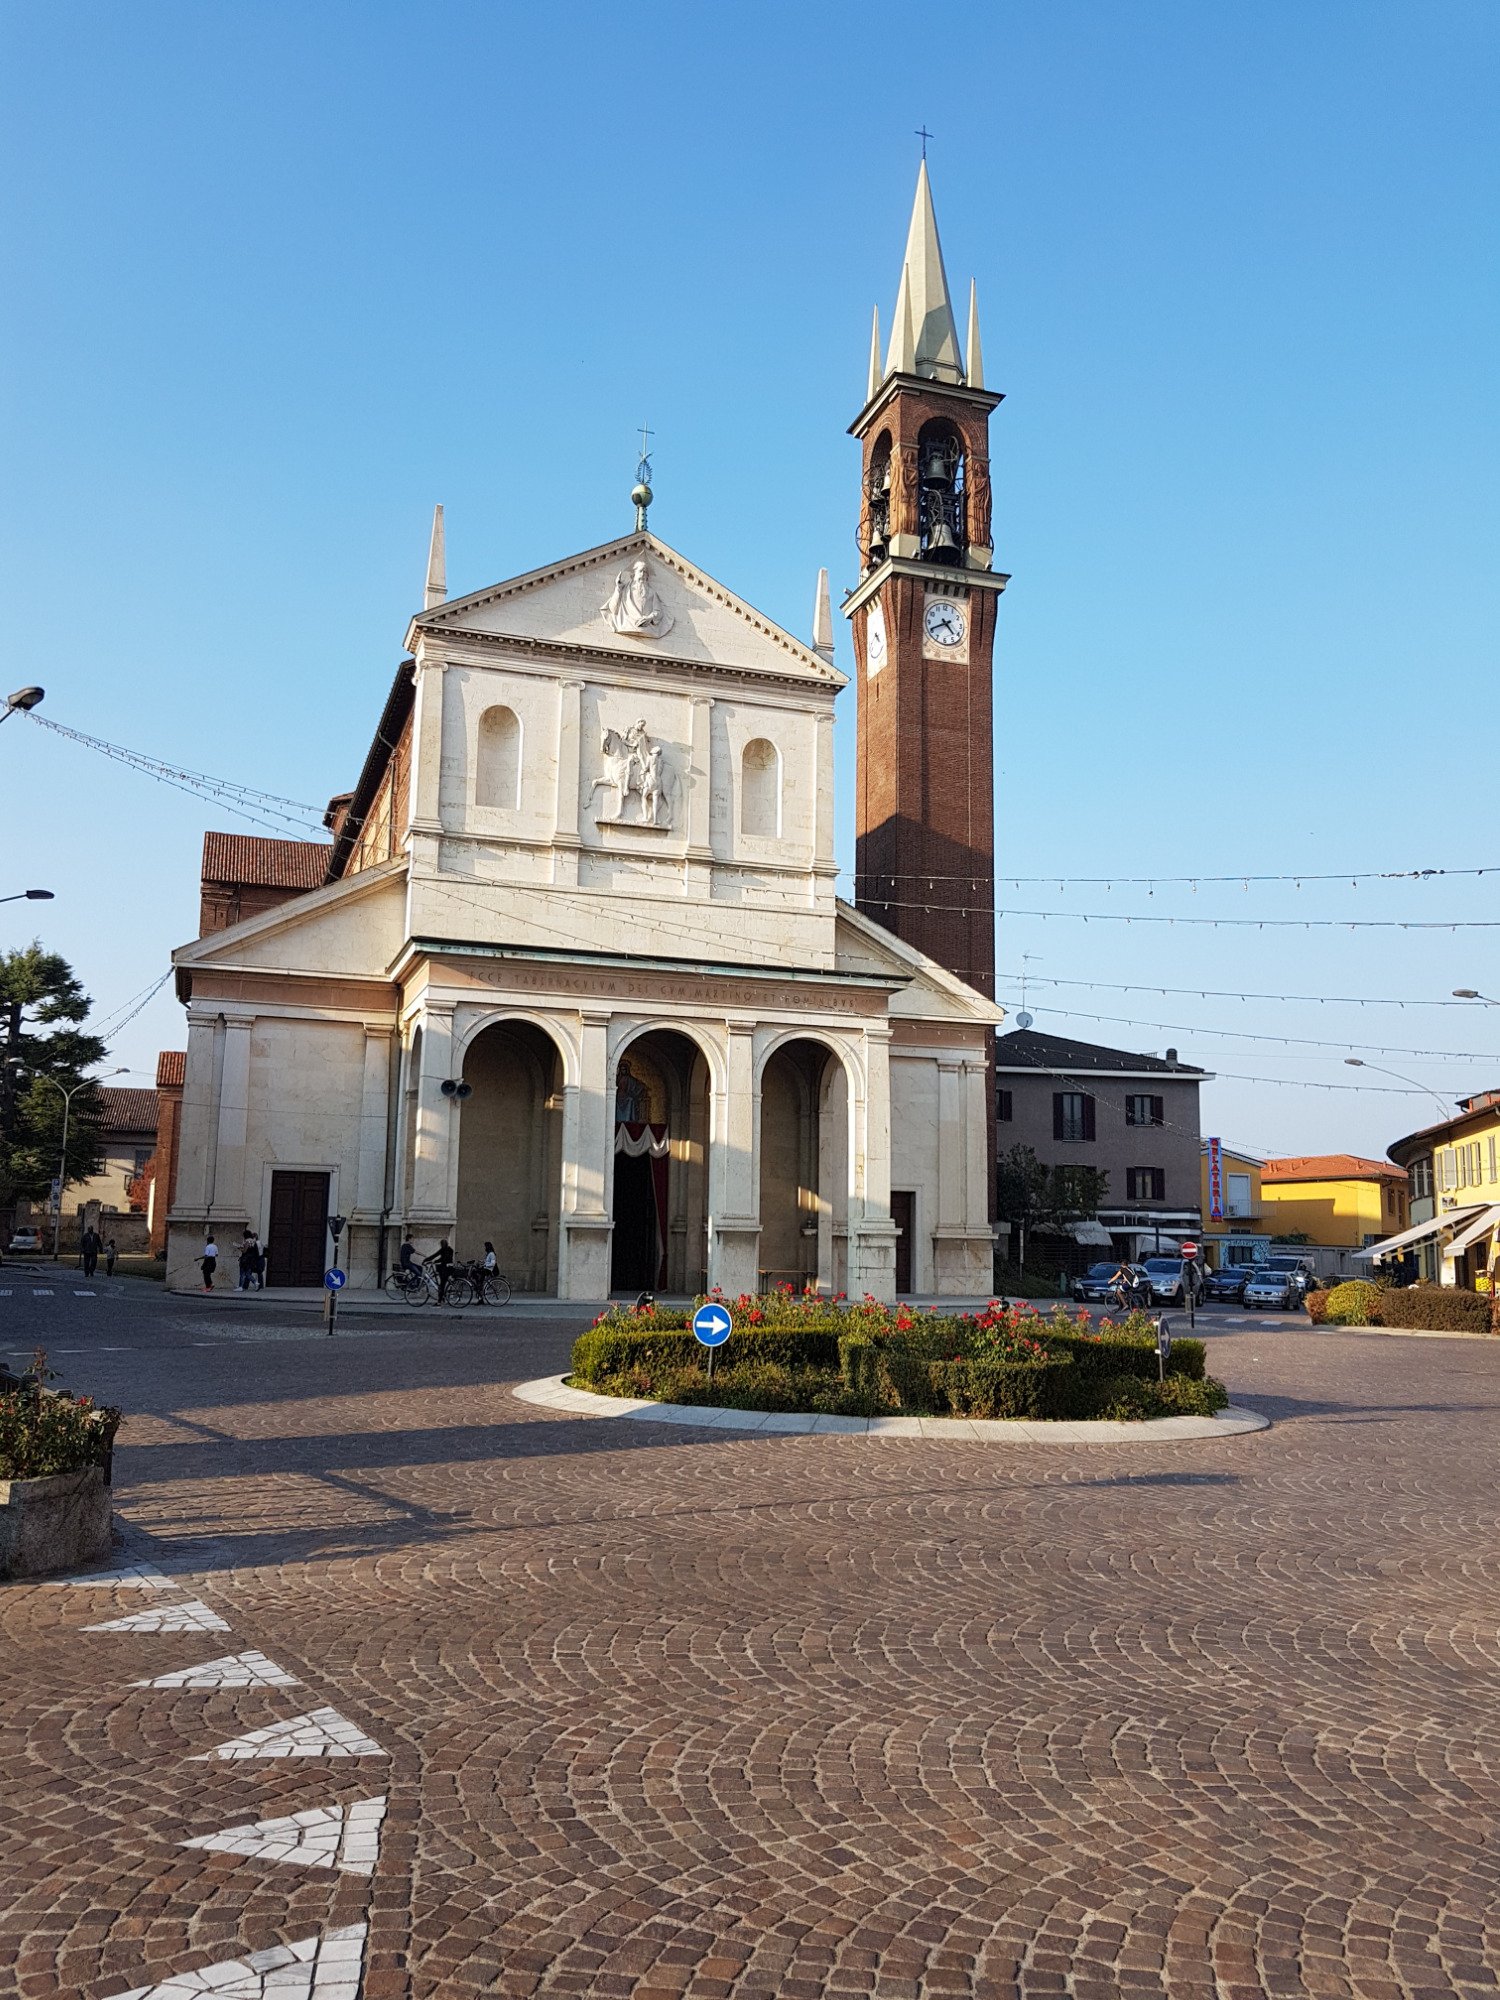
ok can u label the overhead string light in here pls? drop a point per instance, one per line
(1283, 1041)
(1217, 993)
(1244, 881)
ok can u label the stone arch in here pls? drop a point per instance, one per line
(807, 1084)
(662, 1079)
(760, 789)
(497, 763)
(556, 1032)
(941, 506)
(510, 1148)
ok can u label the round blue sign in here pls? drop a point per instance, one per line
(712, 1324)
(335, 1281)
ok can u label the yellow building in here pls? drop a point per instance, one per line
(1235, 1230)
(1455, 1190)
(1336, 1199)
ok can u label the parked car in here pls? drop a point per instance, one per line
(1228, 1282)
(1172, 1279)
(1301, 1270)
(1096, 1286)
(25, 1243)
(1270, 1288)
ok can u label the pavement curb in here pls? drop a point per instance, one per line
(551, 1392)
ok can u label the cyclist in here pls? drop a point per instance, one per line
(1122, 1284)
(442, 1261)
(489, 1261)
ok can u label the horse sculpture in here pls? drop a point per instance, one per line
(635, 766)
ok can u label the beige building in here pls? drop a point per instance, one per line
(575, 979)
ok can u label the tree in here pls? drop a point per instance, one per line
(1030, 1194)
(43, 1045)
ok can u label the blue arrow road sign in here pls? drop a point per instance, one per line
(335, 1280)
(712, 1325)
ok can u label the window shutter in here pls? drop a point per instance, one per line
(1088, 1118)
(1003, 1107)
(1057, 1114)
(1157, 1110)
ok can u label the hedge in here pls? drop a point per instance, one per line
(1353, 1303)
(1433, 1309)
(976, 1386)
(615, 1350)
(1130, 1354)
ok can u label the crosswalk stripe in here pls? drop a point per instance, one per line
(85, 1295)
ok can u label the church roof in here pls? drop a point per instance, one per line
(251, 862)
(561, 606)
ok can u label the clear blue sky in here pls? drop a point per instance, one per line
(282, 276)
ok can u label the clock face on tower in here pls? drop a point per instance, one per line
(875, 641)
(944, 622)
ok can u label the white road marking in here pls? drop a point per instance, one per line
(326, 1968)
(343, 1837)
(129, 1576)
(234, 1670)
(322, 1732)
(194, 1616)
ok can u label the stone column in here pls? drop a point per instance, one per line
(700, 790)
(733, 1171)
(435, 1165)
(424, 813)
(588, 1138)
(361, 1255)
(872, 1234)
(566, 838)
(229, 1195)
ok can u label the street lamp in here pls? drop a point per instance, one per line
(1468, 993)
(62, 1171)
(29, 896)
(23, 698)
(1358, 1062)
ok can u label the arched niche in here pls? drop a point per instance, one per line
(942, 515)
(760, 789)
(659, 1179)
(804, 1165)
(497, 762)
(510, 1152)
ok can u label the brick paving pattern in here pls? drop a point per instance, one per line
(672, 1712)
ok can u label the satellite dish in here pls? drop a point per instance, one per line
(1023, 1019)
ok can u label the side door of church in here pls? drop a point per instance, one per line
(903, 1214)
(297, 1235)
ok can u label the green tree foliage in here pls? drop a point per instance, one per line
(1029, 1193)
(42, 1007)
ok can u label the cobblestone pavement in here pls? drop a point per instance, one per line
(625, 1710)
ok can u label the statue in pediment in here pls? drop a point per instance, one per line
(635, 767)
(635, 606)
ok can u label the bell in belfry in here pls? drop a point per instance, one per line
(936, 470)
(942, 536)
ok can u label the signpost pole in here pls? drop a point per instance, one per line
(333, 1280)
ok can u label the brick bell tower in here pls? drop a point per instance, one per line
(923, 617)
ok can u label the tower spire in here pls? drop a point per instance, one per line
(973, 356)
(822, 629)
(933, 346)
(437, 562)
(875, 369)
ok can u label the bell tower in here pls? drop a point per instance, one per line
(923, 617)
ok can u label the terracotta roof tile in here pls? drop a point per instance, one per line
(1331, 1167)
(128, 1110)
(246, 859)
(171, 1069)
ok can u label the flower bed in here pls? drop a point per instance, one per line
(54, 1475)
(798, 1351)
(44, 1432)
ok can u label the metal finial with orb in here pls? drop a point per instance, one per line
(640, 494)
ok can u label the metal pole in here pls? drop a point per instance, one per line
(62, 1166)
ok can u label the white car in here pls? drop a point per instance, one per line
(25, 1243)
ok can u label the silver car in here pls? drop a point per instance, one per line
(1172, 1279)
(1273, 1289)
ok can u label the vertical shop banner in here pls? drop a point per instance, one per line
(1215, 1180)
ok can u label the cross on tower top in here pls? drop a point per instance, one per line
(924, 135)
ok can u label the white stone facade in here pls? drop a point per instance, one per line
(607, 845)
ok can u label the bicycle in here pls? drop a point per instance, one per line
(471, 1284)
(413, 1288)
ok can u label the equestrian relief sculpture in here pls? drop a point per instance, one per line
(635, 767)
(634, 606)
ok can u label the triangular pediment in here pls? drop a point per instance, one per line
(863, 946)
(354, 927)
(703, 624)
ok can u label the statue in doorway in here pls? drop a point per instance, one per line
(630, 1096)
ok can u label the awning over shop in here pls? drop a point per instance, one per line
(1090, 1231)
(1447, 1220)
(1480, 1226)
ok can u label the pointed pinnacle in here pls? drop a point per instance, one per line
(437, 564)
(924, 284)
(974, 369)
(822, 630)
(875, 374)
(902, 356)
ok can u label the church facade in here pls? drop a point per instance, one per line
(574, 979)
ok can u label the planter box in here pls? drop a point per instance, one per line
(53, 1524)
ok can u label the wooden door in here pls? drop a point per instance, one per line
(903, 1214)
(297, 1238)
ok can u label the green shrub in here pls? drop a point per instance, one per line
(1352, 1303)
(1134, 1399)
(1433, 1309)
(982, 1386)
(44, 1434)
(1108, 1354)
(610, 1349)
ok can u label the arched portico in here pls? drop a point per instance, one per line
(510, 1150)
(658, 1165)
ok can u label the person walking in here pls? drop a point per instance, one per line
(208, 1263)
(262, 1261)
(249, 1262)
(90, 1246)
(109, 1256)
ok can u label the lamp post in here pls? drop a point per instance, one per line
(62, 1170)
(28, 895)
(1469, 993)
(1358, 1062)
(25, 699)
